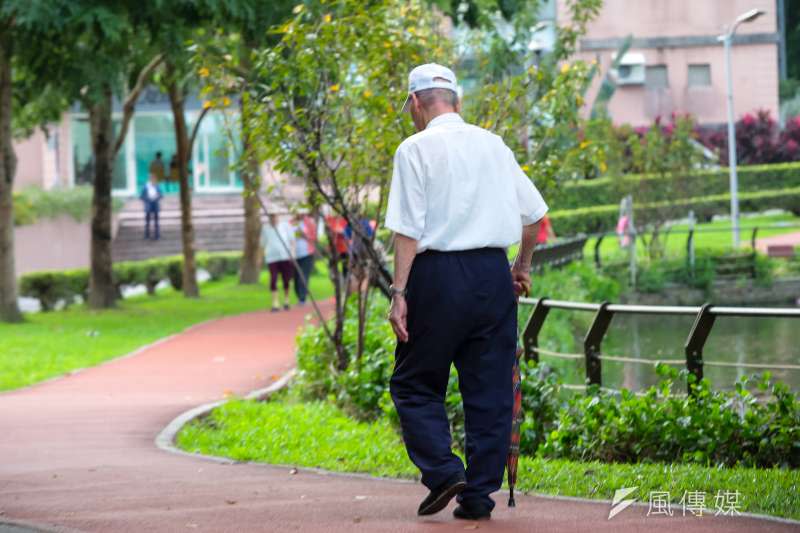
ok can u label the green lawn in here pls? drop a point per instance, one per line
(51, 344)
(320, 435)
(718, 241)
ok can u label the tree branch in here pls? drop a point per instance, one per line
(196, 128)
(130, 102)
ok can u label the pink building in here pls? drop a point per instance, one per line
(676, 63)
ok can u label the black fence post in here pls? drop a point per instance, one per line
(695, 343)
(593, 341)
(753, 239)
(597, 261)
(530, 336)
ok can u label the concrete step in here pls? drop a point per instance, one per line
(218, 225)
(129, 244)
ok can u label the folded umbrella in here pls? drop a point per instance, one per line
(516, 423)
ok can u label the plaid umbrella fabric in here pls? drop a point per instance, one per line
(516, 422)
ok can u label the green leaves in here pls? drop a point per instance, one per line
(535, 103)
(712, 428)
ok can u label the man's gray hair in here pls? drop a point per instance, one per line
(428, 97)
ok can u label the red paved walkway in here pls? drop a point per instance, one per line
(78, 453)
(787, 239)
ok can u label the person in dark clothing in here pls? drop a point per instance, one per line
(151, 197)
(458, 200)
(305, 239)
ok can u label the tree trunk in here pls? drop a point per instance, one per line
(251, 255)
(176, 100)
(102, 293)
(9, 310)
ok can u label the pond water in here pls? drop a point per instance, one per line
(733, 339)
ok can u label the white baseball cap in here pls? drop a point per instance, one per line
(429, 76)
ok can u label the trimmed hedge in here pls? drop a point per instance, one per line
(68, 285)
(603, 217)
(609, 190)
(34, 203)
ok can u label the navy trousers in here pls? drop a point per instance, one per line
(151, 214)
(306, 264)
(462, 311)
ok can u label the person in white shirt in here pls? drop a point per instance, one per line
(278, 243)
(458, 199)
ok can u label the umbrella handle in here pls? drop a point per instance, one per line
(511, 502)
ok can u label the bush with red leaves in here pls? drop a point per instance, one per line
(758, 140)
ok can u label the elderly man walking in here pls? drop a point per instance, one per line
(458, 198)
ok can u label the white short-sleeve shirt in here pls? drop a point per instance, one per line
(456, 186)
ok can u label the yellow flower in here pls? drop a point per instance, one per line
(326, 18)
(367, 93)
(525, 168)
(603, 166)
(334, 88)
(579, 100)
(564, 68)
(584, 144)
(204, 72)
(226, 101)
(208, 104)
(297, 9)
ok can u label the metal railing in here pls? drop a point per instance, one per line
(558, 254)
(705, 316)
(691, 233)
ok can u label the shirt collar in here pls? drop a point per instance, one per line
(444, 118)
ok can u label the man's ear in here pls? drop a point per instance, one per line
(414, 101)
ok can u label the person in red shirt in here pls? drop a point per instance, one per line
(545, 233)
(337, 226)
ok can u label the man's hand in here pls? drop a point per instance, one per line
(522, 281)
(397, 316)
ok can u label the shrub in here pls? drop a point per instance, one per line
(174, 269)
(363, 388)
(51, 287)
(34, 203)
(220, 264)
(610, 190)
(758, 140)
(719, 428)
(604, 217)
(790, 140)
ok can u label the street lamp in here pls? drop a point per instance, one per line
(727, 40)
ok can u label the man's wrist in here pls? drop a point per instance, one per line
(397, 291)
(521, 265)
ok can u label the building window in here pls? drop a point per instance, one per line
(83, 159)
(700, 75)
(656, 77)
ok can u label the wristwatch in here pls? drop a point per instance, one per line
(395, 291)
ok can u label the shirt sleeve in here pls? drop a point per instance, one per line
(405, 213)
(532, 206)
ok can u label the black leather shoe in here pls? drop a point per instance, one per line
(439, 498)
(470, 513)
